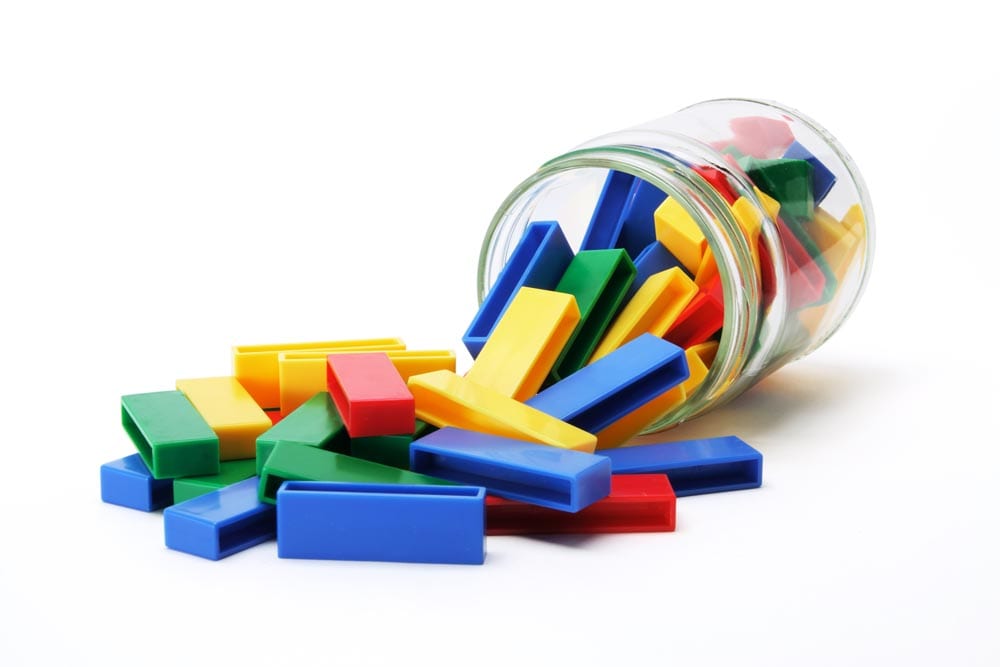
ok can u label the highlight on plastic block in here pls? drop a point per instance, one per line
(256, 366)
(370, 395)
(526, 342)
(637, 230)
(694, 467)
(678, 231)
(558, 478)
(823, 179)
(539, 260)
(128, 482)
(702, 318)
(445, 399)
(230, 472)
(636, 504)
(315, 423)
(230, 411)
(653, 259)
(172, 437)
(219, 523)
(379, 522)
(606, 221)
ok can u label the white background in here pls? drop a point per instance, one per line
(179, 177)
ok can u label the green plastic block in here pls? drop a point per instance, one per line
(422, 429)
(390, 450)
(790, 182)
(230, 472)
(599, 279)
(315, 423)
(295, 462)
(172, 438)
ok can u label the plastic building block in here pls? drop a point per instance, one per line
(378, 522)
(256, 366)
(526, 342)
(701, 319)
(694, 466)
(749, 219)
(289, 462)
(230, 411)
(370, 395)
(854, 220)
(637, 504)
(827, 232)
(636, 225)
(608, 389)
(230, 472)
(171, 436)
(652, 310)
(806, 280)
(599, 279)
(538, 260)
(445, 399)
(606, 222)
(390, 450)
(274, 415)
(653, 259)
(788, 181)
(302, 374)
(761, 137)
(719, 182)
(678, 231)
(315, 423)
(823, 179)
(707, 270)
(706, 351)
(128, 482)
(557, 478)
(219, 523)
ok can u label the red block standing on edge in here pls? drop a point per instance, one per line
(702, 317)
(370, 395)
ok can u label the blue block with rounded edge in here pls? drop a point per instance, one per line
(606, 222)
(603, 392)
(539, 260)
(653, 259)
(708, 465)
(128, 482)
(382, 522)
(542, 475)
(823, 179)
(637, 227)
(220, 523)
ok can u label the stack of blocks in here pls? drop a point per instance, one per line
(364, 450)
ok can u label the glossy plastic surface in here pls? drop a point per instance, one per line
(128, 482)
(230, 472)
(605, 226)
(637, 217)
(370, 395)
(315, 423)
(823, 179)
(653, 259)
(171, 436)
(678, 231)
(390, 450)
(701, 319)
(230, 411)
(537, 474)
(378, 522)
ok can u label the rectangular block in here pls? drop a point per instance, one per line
(445, 399)
(539, 260)
(606, 221)
(256, 366)
(701, 319)
(219, 523)
(128, 482)
(538, 474)
(379, 522)
(678, 231)
(389, 450)
(370, 395)
(608, 389)
(694, 467)
(230, 472)
(637, 228)
(526, 342)
(173, 439)
(653, 259)
(230, 411)
(636, 504)
(315, 423)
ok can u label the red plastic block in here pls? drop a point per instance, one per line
(274, 416)
(637, 504)
(370, 394)
(806, 279)
(761, 137)
(702, 317)
(718, 181)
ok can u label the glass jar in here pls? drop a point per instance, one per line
(790, 270)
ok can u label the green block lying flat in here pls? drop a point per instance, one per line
(790, 182)
(295, 462)
(315, 423)
(390, 450)
(172, 438)
(230, 472)
(599, 279)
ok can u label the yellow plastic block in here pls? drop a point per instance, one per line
(653, 309)
(230, 411)
(771, 205)
(854, 220)
(748, 217)
(707, 270)
(706, 351)
(634, 422)
(677, 230)
(256, 366)
(526, 342)
(301, 375)
(840, 257)
(825, 229)
(445, 399)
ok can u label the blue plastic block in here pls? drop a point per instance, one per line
(637, 227)
(654, 258)
(539, 260)
(694, 466)
(823, 179)
(552, 477)
(128, 482)
(220, 523)
(384, 522)
(603, 392)
(605, 223)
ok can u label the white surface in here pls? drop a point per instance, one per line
(178, 179)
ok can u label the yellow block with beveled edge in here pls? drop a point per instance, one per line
(301, 375)
(526, 342)
(634, 422)
(653, 309)
(256, 366)
(677, 230)
(854, 220)
(445, 399)
(706, 351)
(825, 229)
(230, 411)
(771, 204)
(707, 270)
